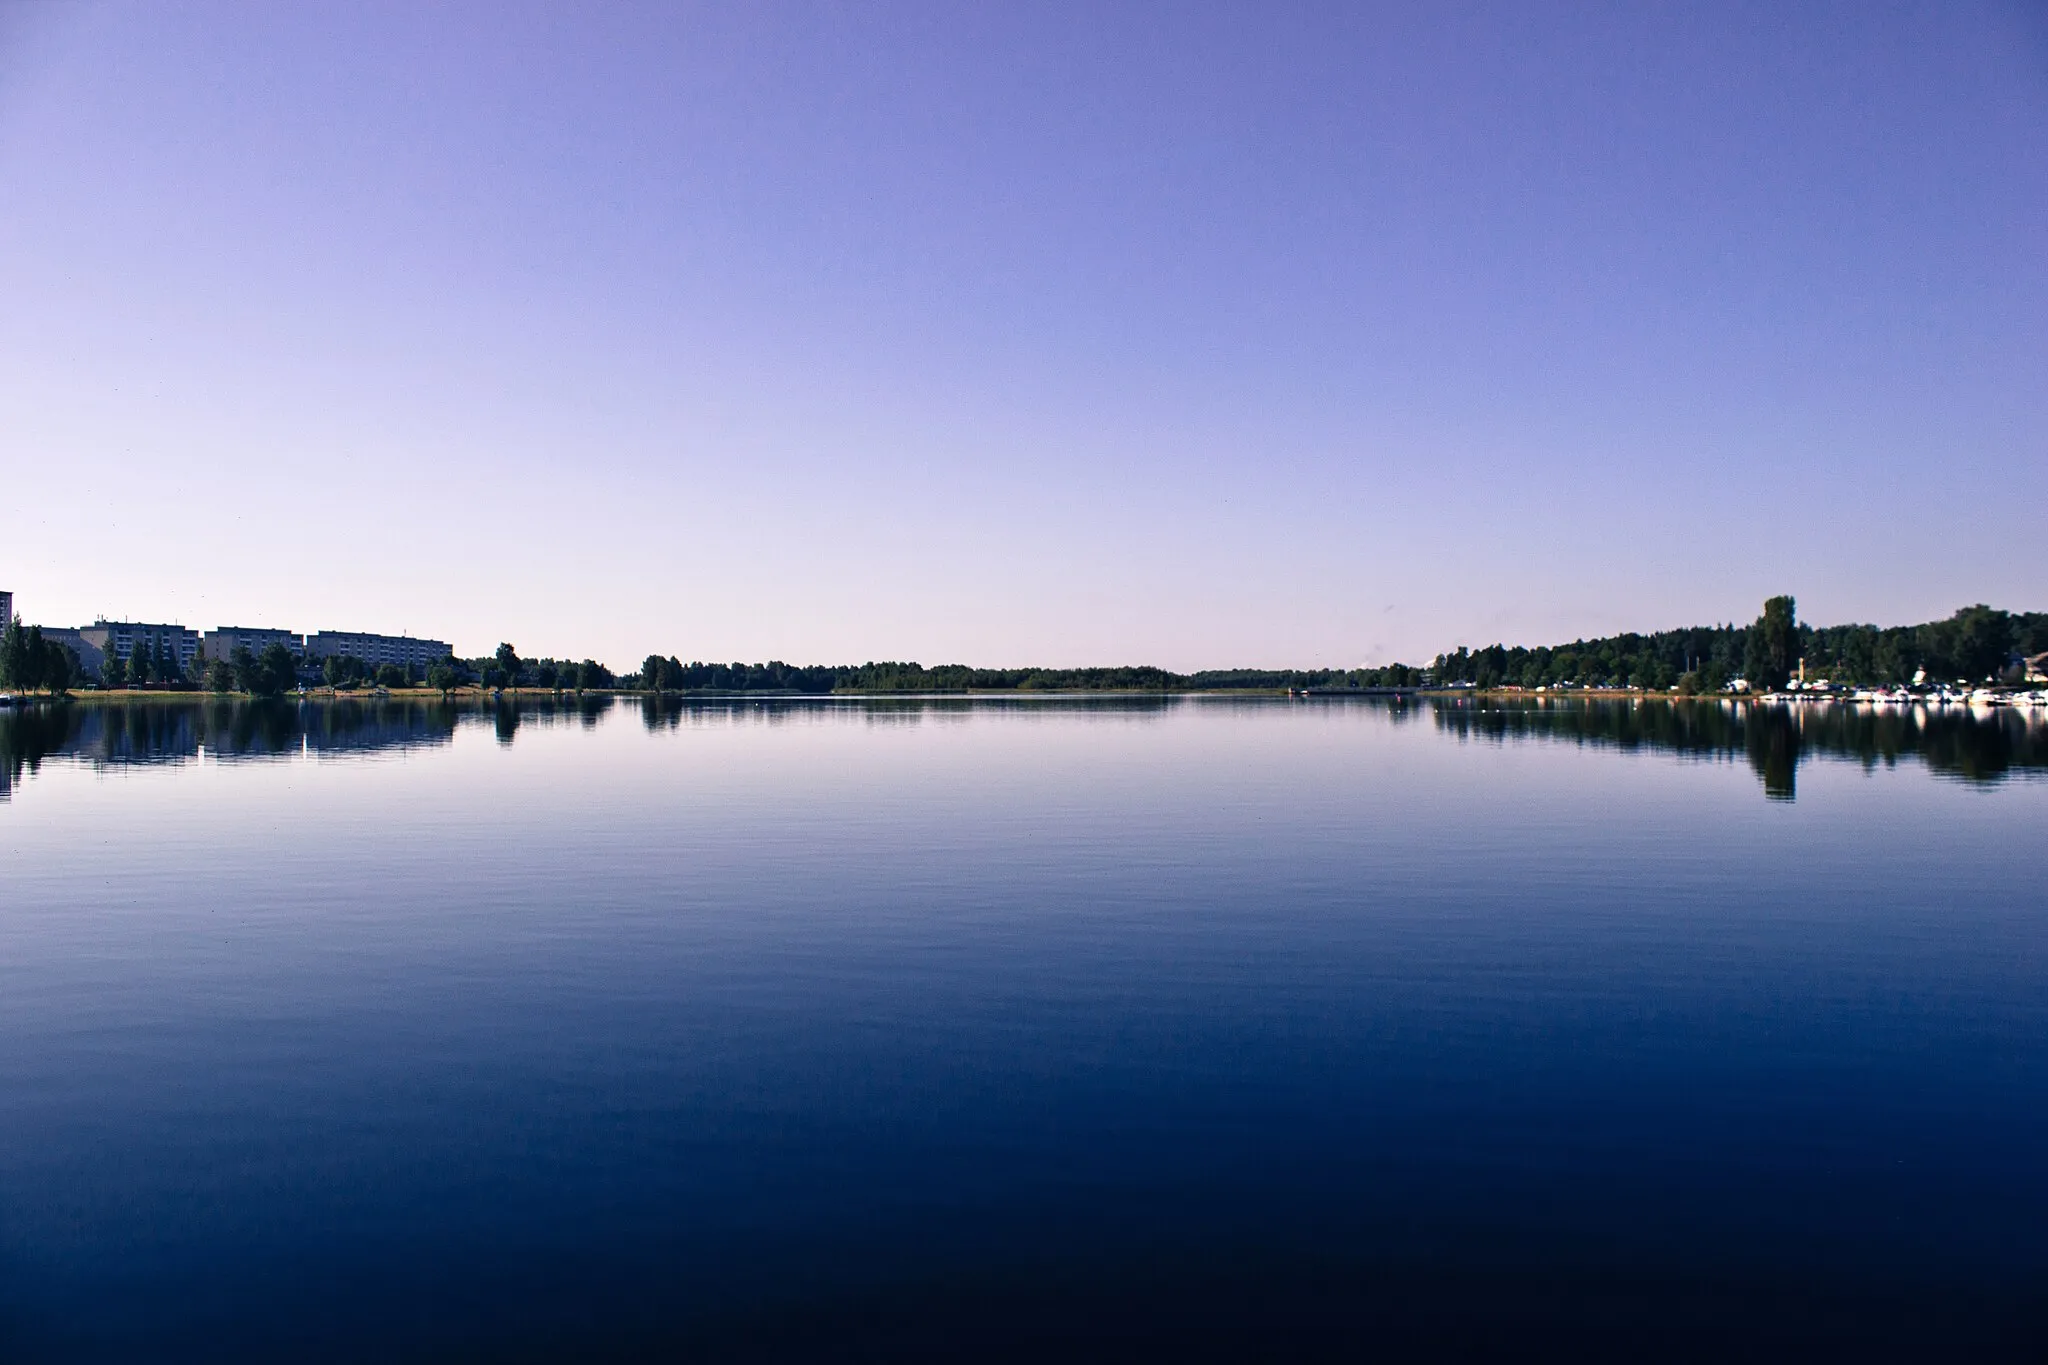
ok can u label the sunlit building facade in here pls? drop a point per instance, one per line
(376, 650)
(120, 640)
(222, 641)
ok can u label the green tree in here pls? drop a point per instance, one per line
(650, 673)
(276, 672)
(35, 660)
(13, 654)
(140, 669)
(442, 677)
(508, 665)
(247, 672)
(391, 675)
(113, 672)
(220, 676)
(1772, 649)
(61, 670)
(1981, 639)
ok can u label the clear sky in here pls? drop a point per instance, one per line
(1098, 333)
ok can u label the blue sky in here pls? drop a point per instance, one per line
(1183, 334)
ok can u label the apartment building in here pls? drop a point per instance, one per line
(222, 641)
(120, 639)
(376, 650)
(89, 656)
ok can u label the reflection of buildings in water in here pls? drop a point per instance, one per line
(1985, 744)
(182, 731)
(339, 727)
(160, 732)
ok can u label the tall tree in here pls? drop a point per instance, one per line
(13, 654)
(35, 662)
(60, 667)
(1983, 640)
(1772, 648)
(276, 672)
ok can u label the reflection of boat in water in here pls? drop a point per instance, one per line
(6, 699)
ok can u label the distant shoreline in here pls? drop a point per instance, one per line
(477, 694)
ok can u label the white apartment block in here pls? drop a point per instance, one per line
(121, 638)
(222, 641)
(376, 650)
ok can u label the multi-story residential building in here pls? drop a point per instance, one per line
(89, 656)
(121, 639)
(376, 650)
(222, 641)
(6, 609)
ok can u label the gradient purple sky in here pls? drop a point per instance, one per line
(1181, 334)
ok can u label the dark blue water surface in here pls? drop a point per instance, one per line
(882, 1030)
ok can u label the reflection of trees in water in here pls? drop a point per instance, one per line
(159, 732)
(507, 715)
(670, 713)
(1977, 745)
(28, 735)
(1772, 738)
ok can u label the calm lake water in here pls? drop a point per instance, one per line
(842, 1029)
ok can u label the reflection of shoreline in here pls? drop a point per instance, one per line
(162, 731)
(670, 712)
(155, 732)
(1984, 745)
(1976, 744)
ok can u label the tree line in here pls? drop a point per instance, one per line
(669, 674)
(277, 670)
(30, 662)
(1975, 644)
(504, 668)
